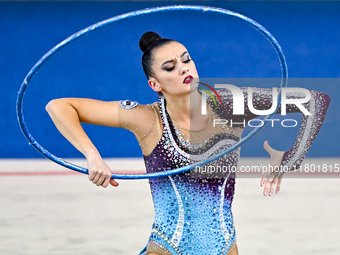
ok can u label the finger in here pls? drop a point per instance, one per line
(264, 177)
(102, 179)
(263, 180)
(267, 185)
(99, 181)
(272, 186)
(279, 184)
(105, 182)
(267, 147)
(114, 183)
(97, 178)
(92, 174)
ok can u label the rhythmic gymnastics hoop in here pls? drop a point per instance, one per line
(33, 71)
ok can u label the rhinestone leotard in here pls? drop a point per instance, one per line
(193, 213)
(193, 210)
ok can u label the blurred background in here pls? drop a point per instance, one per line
(106, 64)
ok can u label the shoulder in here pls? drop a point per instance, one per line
(132, 114)
(130, 105)
(141, 119)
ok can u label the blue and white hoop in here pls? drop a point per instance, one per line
(72, 38)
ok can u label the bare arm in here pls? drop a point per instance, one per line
(68, 113)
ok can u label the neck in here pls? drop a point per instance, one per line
(186, 109)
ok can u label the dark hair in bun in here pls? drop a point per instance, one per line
(147, 39)
(148, 43)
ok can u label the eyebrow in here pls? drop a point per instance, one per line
(173, 60)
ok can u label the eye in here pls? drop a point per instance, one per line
(187, 61)
(169, 69)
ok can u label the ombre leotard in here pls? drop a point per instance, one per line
(193, 210)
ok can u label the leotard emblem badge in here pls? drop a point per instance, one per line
(127, 104)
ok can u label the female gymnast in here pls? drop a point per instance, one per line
(193, 209)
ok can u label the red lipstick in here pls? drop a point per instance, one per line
(188, 79)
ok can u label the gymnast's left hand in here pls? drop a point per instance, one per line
(271, 177)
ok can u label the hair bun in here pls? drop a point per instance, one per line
(147, 39)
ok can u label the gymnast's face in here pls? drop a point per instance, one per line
(173, 70)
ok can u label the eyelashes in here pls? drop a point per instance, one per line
(169, 69)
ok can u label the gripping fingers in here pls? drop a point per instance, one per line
(100, 173)
(99, 178)
(94, 176)
(106, 182)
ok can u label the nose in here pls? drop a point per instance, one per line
(184, 69)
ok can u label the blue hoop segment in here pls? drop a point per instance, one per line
(33, 71)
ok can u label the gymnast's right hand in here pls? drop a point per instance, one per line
(68, 114)
(100, 172)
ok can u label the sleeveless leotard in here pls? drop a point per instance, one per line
(193, 210)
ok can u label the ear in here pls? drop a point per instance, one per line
(153, 83)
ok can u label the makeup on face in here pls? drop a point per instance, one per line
(169, 65)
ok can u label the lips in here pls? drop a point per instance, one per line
(188, 79)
